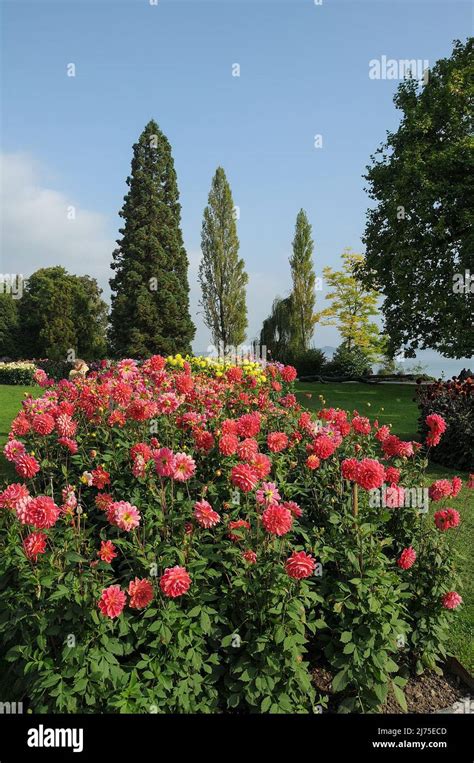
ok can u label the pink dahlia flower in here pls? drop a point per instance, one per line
(175, 582)
(112, 601)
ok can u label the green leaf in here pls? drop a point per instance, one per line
(340, 680)
(50, 681)
(400, 697)
(80, 685)
(346, 636)
(265, 706)
(279, 634)
(205, 622)
(233, 700)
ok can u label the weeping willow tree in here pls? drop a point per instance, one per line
(276, 331)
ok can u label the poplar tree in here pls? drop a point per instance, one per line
(221, 272)
(303, 296)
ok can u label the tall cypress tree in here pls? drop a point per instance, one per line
(150, 290)
(303, 295)
(221, 273)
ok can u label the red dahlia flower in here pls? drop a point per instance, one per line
(112, 601)
(300, 565)
(13, 450)
(407, 558)
(277, 520)
(370, 474)
(140, 592)
(277, 441)
(100, 478)
(34, 544)
(43, 423)
(205, 514)
(446, 519)
(288, 374)
(350, 469)
(440, 489)
(42, 512)
(244, 477)
(451, 600)
(107, 551)
(27, 466)
(228, 444)
(174, 582)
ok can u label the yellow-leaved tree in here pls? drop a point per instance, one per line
(352, 307)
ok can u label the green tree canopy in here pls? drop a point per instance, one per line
(221, 272)
(150, 290)
(60, 312)
(352, 306)
(276, 331)
(9, 346)
(419, 235)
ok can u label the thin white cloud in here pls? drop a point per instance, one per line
(41, 227)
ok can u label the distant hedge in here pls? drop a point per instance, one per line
(17, 373)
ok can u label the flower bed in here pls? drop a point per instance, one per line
(181, 534)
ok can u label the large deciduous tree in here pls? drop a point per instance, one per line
(419, 234)
(59, 313)
(150, 290)
(276, 333)
(222, 272)
(303, 294)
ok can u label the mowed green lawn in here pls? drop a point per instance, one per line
(389, 403)
(10, 403)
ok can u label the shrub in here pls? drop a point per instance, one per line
(182, 533)
(348, 362)
(454, 401)
(306, 363)
(17, 372)
(55, 369)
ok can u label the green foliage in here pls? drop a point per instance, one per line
(418, 235)
(303, 295)
(276, 331)
(150, 290)
(308, 362)
(60, 312)
(454, 401)
(348, 361)
(56, 369)
(8, 326)
(221, 271)
(352, 307)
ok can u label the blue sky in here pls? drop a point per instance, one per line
(303, 71)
